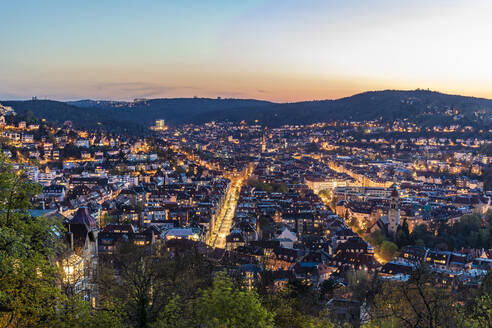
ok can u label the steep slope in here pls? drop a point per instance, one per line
(421, 106)
(59, 112)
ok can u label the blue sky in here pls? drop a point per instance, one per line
(278, 50)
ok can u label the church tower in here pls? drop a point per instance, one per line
(394, 212)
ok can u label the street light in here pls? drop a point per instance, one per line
(73, 268)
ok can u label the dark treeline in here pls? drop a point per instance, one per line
(471, 231)
(423, 107)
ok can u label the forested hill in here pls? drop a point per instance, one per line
(419, 106)
(87, 118)
(131, 117)
(173, 110)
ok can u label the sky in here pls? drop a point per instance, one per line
(278, 50)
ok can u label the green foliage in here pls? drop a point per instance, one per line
(480, 315)
(77, 313)
(385, 248)
(388, 250)
(417, 302)
(268, 187)
(321, 321)
(107, 219)
(29, 280)
(28, 285)
(486, 286)
(28, 289)
(287, 313)
(403, 235)
(470, 231)
(376, 238)
(151, 281)
(174, 315)
(299, 305)
(224, 306)
(381, 323)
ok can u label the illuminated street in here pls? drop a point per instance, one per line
(223, 221)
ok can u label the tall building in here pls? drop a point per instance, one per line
(394, 212)
(79, 262)
(160, 125)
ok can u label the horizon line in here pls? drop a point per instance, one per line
(238, 98)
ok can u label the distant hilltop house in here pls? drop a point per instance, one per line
(6, 110)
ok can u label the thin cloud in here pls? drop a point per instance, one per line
(138, 89)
